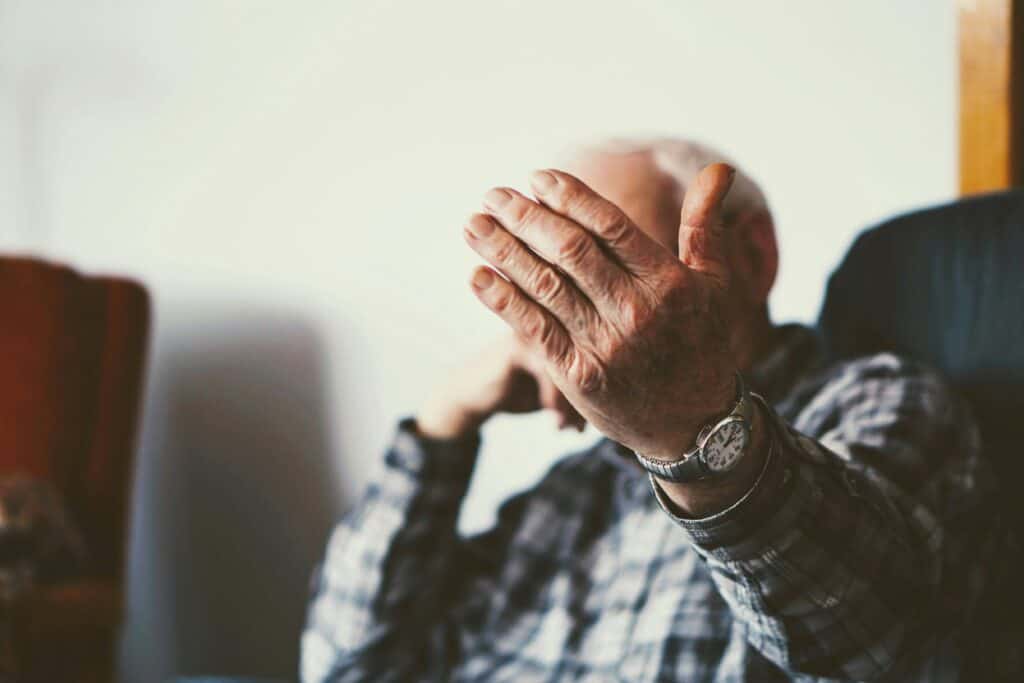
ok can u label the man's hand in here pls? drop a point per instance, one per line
(502, 379)
(635, 338)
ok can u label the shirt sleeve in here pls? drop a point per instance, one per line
(387, 562)
(864, 540)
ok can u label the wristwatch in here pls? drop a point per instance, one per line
(720, 445)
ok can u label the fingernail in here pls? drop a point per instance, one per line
(480, 226)
(497, 198)
(482, 279)
(542, 181)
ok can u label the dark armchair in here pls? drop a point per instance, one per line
(72, 353)
(946, 286)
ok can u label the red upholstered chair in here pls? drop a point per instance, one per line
(72, 353)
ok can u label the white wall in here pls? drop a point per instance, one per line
(290, 179)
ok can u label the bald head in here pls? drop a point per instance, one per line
(637, 185)
(648, 179)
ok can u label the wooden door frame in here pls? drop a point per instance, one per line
(991, 48)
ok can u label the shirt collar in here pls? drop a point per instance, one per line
(797, 351)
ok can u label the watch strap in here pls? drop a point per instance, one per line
(692, 467)
(688, 469)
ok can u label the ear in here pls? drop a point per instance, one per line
(755, 255)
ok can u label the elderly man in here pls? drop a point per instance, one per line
(752, 514)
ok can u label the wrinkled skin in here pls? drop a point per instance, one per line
(635, 338)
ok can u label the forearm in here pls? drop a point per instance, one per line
(445, 421)
(834, 570)
(386, 560)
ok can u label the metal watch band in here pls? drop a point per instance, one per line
(692, 466)
(688, 469)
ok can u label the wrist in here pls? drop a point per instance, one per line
(448, 424)
(674, 445)
(709, 496)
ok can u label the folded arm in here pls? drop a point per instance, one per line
(382, 582)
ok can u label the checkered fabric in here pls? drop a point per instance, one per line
(859, 554)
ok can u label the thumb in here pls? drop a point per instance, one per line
(702, 239)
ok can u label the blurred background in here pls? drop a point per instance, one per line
(290, 181)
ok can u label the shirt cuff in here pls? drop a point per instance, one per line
(449, 460)
(733, 534)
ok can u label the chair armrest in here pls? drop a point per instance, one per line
(69, 631)
(76, 605)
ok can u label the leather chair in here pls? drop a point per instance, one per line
(72, 352)
(946, 286)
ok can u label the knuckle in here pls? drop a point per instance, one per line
(504, 252)
(675, 293)
(612, 225)
(694, 239)
(677, 280)
(570, 191)
(547, 285)
(605, 219)
(502, 303)
(537, 328)
(585, 374)
(521, 210)
(673, 282)
(575, 249)
(546, 334)
(635, 314)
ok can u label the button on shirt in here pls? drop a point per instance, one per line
(859, 554)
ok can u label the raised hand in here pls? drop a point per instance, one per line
(503, 378)
(634, 337)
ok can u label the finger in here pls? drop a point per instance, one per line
(535, 276)
(702, 238)
(572, 416)
(561, 242)
(572, 198)
(552, 398)
(549, 399)
(538, 329)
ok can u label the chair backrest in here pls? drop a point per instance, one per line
(72, 352)
(946, 286)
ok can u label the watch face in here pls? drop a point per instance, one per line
(725, 446)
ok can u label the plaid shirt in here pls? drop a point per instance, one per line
(858, 554)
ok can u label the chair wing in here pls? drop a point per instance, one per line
(946, 286)
(72, 352)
